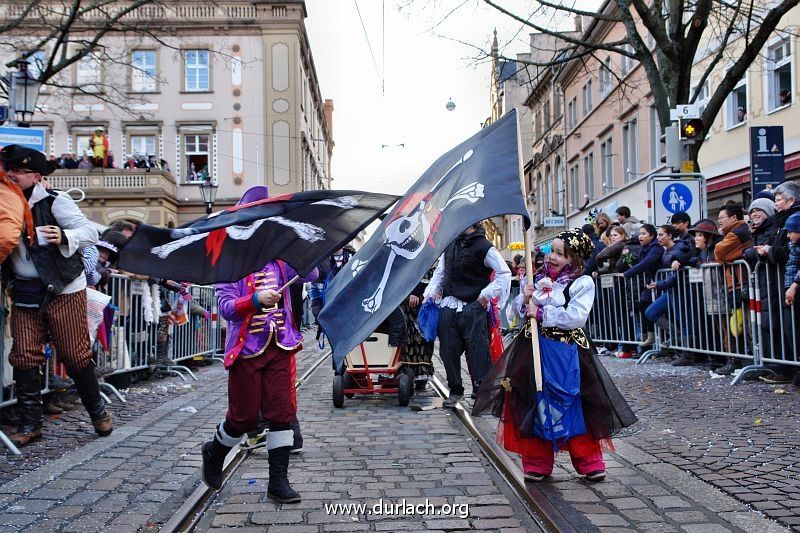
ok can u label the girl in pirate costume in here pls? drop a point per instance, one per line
(560, 300)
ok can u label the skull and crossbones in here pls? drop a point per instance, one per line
(407, 235)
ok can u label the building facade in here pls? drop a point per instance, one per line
(227, 93)
(766, 96)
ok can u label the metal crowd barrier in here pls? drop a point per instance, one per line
(615, 318)
(130, 340)
(710, 313)
(716, 310)
(777, 323)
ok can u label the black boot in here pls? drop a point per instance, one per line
(278, 487)
(214, 453)
(89, 391)
(29, 406)
(297, 444)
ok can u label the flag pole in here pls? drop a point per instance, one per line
(529, 238)
(288, 283)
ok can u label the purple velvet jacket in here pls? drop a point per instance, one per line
(250, 329)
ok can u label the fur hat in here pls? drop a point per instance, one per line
(764, 204)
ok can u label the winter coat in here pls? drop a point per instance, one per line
(647, 261)
(761, 235)
(607, 258)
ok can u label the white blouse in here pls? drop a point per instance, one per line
(554, 313)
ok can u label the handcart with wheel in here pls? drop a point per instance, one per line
(374, 367)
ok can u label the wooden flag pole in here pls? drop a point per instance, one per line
(288, 283)
(529, 238)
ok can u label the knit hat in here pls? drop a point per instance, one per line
(764, 204)
(793, 223)
(769, 194)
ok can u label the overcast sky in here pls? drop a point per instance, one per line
(421, 71)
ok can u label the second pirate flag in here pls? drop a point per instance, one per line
(474, 181)
(302, 229)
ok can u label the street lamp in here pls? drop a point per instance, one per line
(450, 105)
(208, 190)
(23, 90)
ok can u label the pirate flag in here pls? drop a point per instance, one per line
(476, 180)
(302, 229)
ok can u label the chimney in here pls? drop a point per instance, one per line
(578, 23)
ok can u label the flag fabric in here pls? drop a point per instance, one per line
(478, 179)
(302, 229)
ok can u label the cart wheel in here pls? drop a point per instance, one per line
(348, 383)
(409, 371)
(338, 394)
(404, 386)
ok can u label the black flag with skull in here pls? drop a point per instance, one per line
(478, 179)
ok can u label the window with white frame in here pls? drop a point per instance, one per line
(702, 101)
(556, 103)
(630, 150)
(736, 108)
(142, 145)
(626, 62)
(539, 197)
(197, 152)
(546, 114)
(779, 75)
(560, 186)
(574, 187)
(82, 145)
(539, 125)
(197, 70)
(607, 165)
(587, 97)
(572, 113)
(588, 175)
(656, 146)
(143, 71)
(605, 77)
(548, 187)
(87, 73)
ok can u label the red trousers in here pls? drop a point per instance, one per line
(590, 460)
(263, 384)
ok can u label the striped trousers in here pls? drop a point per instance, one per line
(64, 318)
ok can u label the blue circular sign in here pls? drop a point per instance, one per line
(676, 197)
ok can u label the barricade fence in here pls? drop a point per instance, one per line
(716, 310)
(777, 321)
(132, 334)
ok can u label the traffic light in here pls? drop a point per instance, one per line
(690, 128)
(673, 151)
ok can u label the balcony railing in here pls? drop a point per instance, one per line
(115, 182)
(178, 11)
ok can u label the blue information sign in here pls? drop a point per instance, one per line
(766, 158)
(28, 137)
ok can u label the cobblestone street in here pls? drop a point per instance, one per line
(704, 457)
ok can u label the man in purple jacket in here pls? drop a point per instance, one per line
(259, 355)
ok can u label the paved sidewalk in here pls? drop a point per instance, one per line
(132, 480)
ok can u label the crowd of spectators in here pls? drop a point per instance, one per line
(713, 316)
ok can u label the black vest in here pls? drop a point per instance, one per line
(54, 269)
(465, 275)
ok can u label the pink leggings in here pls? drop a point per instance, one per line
(544, 464)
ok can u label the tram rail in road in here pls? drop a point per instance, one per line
(541, 510)
(189, 514)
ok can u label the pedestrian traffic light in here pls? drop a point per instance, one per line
(690, 128)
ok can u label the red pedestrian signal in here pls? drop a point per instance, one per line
(691, 129)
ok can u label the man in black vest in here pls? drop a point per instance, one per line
(48, 294)
(463, 286)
